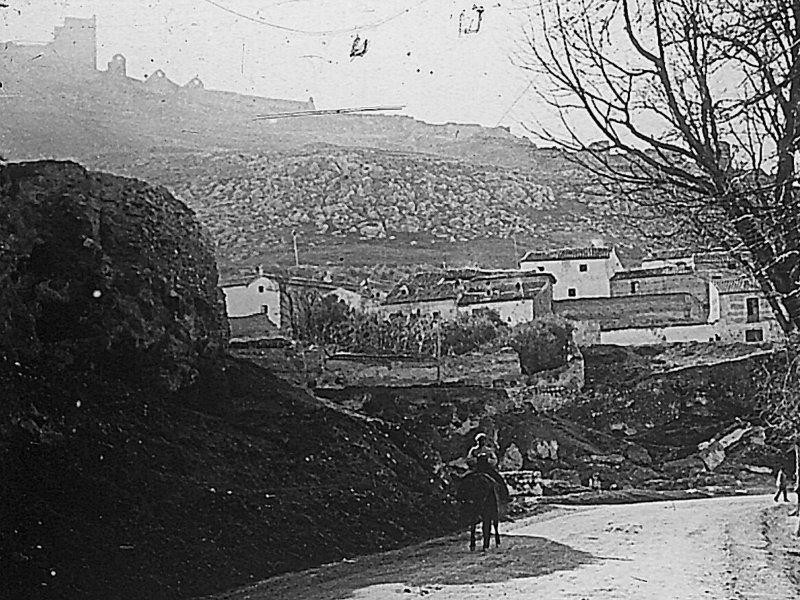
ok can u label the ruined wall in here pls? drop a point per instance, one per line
(634, 311)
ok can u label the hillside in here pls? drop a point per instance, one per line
(464, 187)
(137, 459)
(368, 207)
(139, 495)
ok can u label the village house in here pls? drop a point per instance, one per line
(578, 272)
(745, 314)
(253, 295)
(262, 303)
(517, 296)
(676, 297)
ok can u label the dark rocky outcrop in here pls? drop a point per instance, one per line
(137, 460)
(104, 272)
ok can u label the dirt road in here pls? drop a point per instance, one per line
(692, 549)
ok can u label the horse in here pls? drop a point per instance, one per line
(479, 498)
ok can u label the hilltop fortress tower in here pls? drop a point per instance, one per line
(73, 49)
(72, 57)
(76, 42)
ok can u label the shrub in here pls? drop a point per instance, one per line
(542, 344)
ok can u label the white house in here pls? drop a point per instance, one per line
(579, 272)
(260, 294)
(516, 296)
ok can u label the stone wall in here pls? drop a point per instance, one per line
(634, 311)
(252, 326)
(284, 358)
(733, 324)
(501, 369)
(371, 370)
(686, 282)
(645, 336)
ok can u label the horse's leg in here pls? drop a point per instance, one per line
(496, 531)
(486, 529)
(472, 536)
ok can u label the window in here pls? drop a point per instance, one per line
(687, 311)
(572, 292)
(752, 310)
(261, 289)
(753, 335)
(583, 268)
(436, 314)
(634, 287)
(265, 309)
(540, 268)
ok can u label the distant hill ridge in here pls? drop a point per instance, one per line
(348, 183)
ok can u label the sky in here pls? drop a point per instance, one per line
(415, 55)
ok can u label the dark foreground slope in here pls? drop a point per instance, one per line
(136, 460)
(146, 496)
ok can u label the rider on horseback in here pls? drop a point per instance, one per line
(482, 459)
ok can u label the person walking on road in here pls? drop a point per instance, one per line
(781, 484)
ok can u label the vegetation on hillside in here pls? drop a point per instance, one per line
(341, 198)
(541, 344)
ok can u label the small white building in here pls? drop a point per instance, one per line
(579, 272)
(249, 296)
(516, 296)
(745, 313)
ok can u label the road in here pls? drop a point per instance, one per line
(691, 549)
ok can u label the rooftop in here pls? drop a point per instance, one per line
(652, 272)
(737, 286)
(567, 254)
(469, 286)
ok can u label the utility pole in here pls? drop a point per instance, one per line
(294, 245)
(516, 253)
(437, 325)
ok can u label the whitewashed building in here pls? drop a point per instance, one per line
(578, 272)
(253, 295)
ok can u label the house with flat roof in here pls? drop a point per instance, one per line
(578, 272)
(517, 296)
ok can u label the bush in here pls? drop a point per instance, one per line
(330, 322)
(542, 344)
(481, 330)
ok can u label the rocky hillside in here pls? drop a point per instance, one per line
(458, 192)
(372, 206)
(136, 459)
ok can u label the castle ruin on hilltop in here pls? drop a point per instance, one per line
(72, 54)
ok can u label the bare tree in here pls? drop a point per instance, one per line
(699, 102)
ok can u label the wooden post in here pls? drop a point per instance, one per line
(294, 246)
(438, 326)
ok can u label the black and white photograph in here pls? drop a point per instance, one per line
(393, 299)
